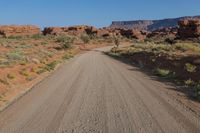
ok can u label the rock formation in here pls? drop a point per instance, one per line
(74, 30)
(189, 29)
(89, 30)
(16, 30)
(55, 30)
(133, 34)
(165, 32)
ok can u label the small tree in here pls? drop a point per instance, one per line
(116, 41)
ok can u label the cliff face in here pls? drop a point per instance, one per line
(139, 25)
(150, 25)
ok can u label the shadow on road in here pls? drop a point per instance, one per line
(169, 82)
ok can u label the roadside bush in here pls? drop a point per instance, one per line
(162, 72)
(189, 82)
(41, 70)
(24, 72)
(65, 41)
(85, 38)
(67, 56)
(52, 65)
(190, 67)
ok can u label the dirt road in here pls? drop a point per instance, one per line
(95, 93)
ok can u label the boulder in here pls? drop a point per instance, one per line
(79, 30)
(140, 35)
(164, 32)
(189, 28)
(55, 30)
(103, 33)
(19, 30)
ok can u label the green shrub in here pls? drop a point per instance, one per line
(41, 70)
(189, 82)
(65, 41)
(85, 38)
(24, 72)
(67, 56)
(162, 72)
(52, 65)
(190, 68)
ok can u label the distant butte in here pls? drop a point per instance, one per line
(150, 25)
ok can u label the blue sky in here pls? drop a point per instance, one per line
(91, 12)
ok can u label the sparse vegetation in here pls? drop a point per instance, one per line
(37, 36)
(15, 37)
(172, 62)
(4, 82)
(15, 55)
(24, 58)
(25, 72)
(188, 47)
